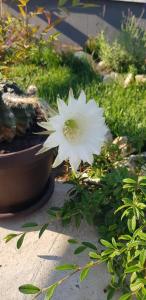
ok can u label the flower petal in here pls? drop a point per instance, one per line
(62, 107)
(57, 162)
(71, 99)
(52, 141)
(82, 97)
(74, 161)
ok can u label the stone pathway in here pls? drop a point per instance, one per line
(35, 261)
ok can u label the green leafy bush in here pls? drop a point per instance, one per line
(129, 49)
(133, 40)
(21, 40)
(114, 55)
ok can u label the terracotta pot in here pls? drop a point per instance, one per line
(24, 179)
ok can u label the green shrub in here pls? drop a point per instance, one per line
(133, 40)
(112, 54)
(128, 49)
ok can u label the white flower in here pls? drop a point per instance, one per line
(78, 130)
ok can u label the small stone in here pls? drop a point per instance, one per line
(129, 79)
(137, 161)
(140, 78)
(108, 136)
(124, 145)
(81, 54)
(101, 66)
(32, 90)
(110, 77)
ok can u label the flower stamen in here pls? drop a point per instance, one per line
(71, 130)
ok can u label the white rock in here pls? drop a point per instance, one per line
(110, 77)
(32, 90)
(108, 136)
(140, 78)
(101, 66)
(128, 80)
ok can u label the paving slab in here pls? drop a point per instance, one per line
(36, 260)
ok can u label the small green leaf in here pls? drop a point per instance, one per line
(121, 207)
(142, 235)
(132, 269)
(111, 292)
(94, 255)
(20, 241)
(53, 211)
(9, 237)
(29, 289)
(126, 296)
(133, 277)
(125, 237)
(136, 286)
(106, 244)
(29, 225)
(84, 273)
(80, 249)
(89, 245)
(44, 227)
(142, 257)
(71, 241)
(50, 291)
(129, 180)
(132, 224)
(66, 267)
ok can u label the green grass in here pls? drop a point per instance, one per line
(125, 109)
(53, 80)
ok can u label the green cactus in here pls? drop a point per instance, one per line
(19, 112)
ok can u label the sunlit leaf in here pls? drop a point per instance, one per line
(29, 289)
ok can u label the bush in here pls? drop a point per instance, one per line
(112, 54)
(133, 40)
(128, 49)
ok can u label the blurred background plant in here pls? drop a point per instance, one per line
(129, 49)
(20, 38)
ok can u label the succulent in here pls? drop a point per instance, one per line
(19, 111)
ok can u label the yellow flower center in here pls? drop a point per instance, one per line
(71, 130)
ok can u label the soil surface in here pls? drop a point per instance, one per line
(26, 141)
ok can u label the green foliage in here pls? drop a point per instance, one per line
(114, 56)
(19, 36)
(29, 289)
(115, 200)
(133, 40)
(126, 52)
(124, 253)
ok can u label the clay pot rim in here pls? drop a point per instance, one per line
(21, 151)
(23, 156)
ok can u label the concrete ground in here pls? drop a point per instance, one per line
(35, 261)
